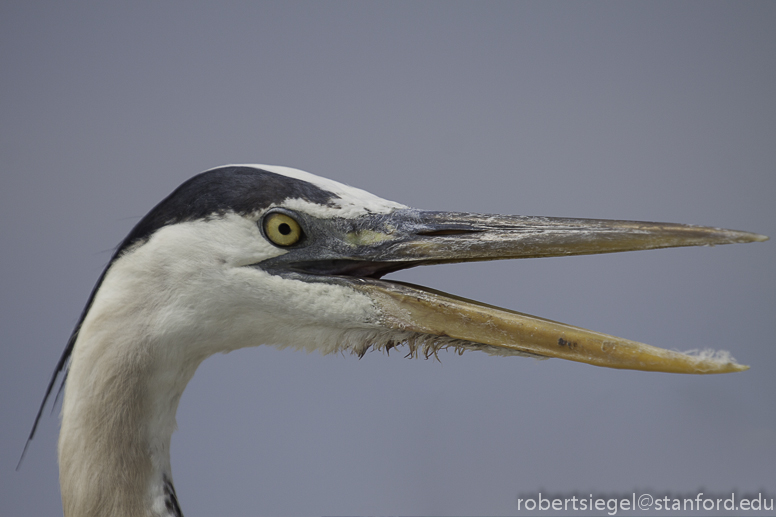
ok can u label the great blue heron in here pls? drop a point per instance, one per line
(246, 255)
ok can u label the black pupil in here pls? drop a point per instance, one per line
(284, 228)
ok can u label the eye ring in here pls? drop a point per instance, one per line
(282, 229)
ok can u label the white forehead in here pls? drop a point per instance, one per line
(352, 201)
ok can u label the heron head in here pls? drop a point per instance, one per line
(246, 255)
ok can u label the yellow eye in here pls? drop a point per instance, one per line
(281, 229)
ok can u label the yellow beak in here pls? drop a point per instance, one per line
(422, 238)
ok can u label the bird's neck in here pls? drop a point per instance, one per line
(118, 416)
(145, 333)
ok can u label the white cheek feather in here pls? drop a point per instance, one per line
(199, 291)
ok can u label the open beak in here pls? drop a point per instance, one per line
(374, 246)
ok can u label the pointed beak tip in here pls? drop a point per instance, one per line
(719, 367)
(744, 237)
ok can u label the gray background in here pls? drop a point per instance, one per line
(651, 111)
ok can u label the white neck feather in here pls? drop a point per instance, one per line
(129, 367)
(117, 420)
